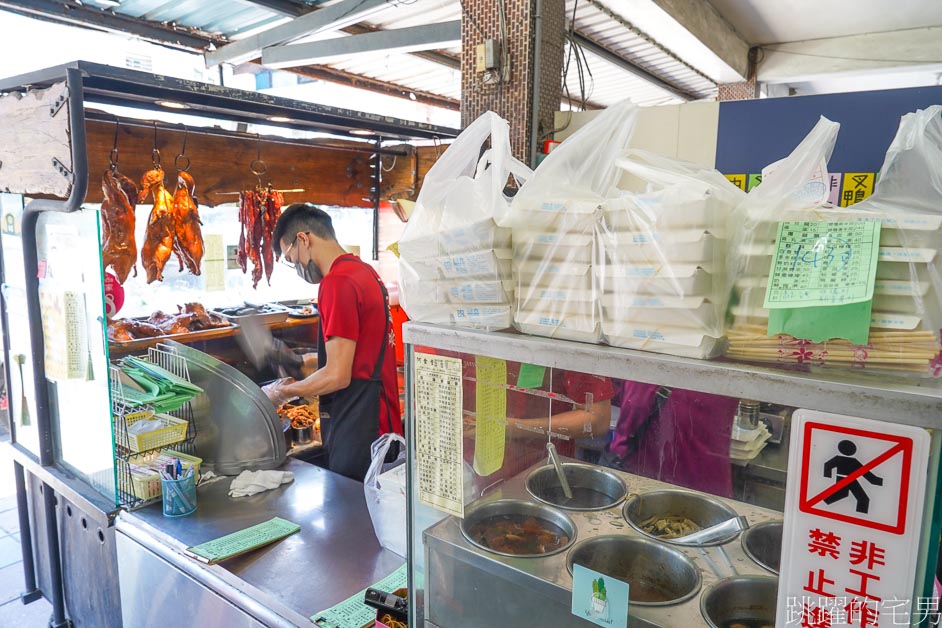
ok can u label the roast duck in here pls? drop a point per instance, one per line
(173, 227)
(119, 249)
(189, 318)
(259, 210)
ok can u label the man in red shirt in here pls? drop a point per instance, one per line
(356, 357)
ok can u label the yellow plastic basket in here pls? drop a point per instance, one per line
(173, 431)
(145, 472)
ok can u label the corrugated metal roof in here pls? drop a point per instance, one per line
(607, 84)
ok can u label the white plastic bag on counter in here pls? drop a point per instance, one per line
(905, 316)
(454, 265)
(554, 218)
(662, 257)
(385, 498)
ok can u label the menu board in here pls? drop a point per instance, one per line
(438, 432)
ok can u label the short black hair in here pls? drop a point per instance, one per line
(302, 217)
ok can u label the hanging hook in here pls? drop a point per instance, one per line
(437, 143)
(182, 155)
(113, 157)
(258, 167)
(155, 154)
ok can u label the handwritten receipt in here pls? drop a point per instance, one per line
(438, 432)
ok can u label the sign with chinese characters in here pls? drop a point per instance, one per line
(853, 522)
(439, 445)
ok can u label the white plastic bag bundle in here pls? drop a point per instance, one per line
(905, 316)
(386, 499)
(454, 265)
(554, 220)
(662, 258)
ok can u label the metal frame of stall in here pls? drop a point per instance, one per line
(87, 82)
(894, 400)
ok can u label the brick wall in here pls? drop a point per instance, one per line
(512, 100)
(745, 90)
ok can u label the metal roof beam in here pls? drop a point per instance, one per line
(75, 14)
(335, 16)
(281, 7)
(614, 58)
(411, 39)
(325, 73)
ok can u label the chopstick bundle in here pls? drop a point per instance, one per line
(908, 351)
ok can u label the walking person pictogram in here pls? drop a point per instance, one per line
(844, 465)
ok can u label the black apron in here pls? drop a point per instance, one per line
(350, 417)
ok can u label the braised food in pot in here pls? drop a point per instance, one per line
(518, 534)
(668, 526)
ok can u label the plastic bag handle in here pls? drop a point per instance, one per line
(378, 451)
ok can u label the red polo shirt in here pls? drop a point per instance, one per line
(351, 306)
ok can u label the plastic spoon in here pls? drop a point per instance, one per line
(554, 458)
(714, 532)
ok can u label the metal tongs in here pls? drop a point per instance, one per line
(563, 481)
(713, 533)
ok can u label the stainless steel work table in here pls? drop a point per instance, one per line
(334, 556)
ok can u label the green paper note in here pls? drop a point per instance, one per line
(243, 541)
(530, 375)
(353, 612)
(490, 409)
(823, 263)
(820, 324)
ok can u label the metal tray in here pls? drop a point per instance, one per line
(277, 313)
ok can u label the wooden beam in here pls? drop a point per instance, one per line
(401, 40)
(221, 164)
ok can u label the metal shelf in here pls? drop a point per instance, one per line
(894, 399)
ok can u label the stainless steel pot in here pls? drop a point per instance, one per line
(593, 488)
(517, 507)
(763, 544)
(302, 435)
(702, 510)
(658, 575)
(741, 599)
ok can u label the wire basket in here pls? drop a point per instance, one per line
(139, 476)
(172, 431)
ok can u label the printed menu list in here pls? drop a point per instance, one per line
(438, 439)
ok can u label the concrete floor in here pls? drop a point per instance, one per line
(13, 614)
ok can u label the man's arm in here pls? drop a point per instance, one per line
(335, 375)
(574, 423)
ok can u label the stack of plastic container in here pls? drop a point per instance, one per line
(555, 219)
(455, 261)
(663, 258)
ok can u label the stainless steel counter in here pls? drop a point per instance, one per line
(334, 556)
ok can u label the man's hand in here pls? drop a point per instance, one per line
(276, 392)
(283, 358)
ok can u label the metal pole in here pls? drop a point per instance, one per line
(377, 183)
(537, 67)
(59, 619)
(31, 592)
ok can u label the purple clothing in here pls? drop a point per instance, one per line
(687, 445)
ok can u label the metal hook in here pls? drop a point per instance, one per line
(437, 143)
(113, 156)
(182, 155)
(155, 153)
(258, 167)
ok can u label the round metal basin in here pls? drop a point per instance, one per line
(494, 513)
(702, 510)
(593, 488)
(748, 600)
(658, 575)
(763, 544)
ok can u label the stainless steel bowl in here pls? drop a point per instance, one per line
(593, 488)
(702, 510)
(522, 508)
(302, 435)
(763, 544)
(749, 598)
(658, 575)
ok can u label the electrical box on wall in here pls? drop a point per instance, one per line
(487, 56)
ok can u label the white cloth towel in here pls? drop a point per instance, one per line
(253, 482)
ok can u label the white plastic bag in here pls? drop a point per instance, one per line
(662, 255)
(386, 500)
(454, 264)
(554, 220)
(906, 307)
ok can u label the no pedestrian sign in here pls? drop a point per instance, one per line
(853, 522)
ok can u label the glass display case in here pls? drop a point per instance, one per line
(532, 458)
